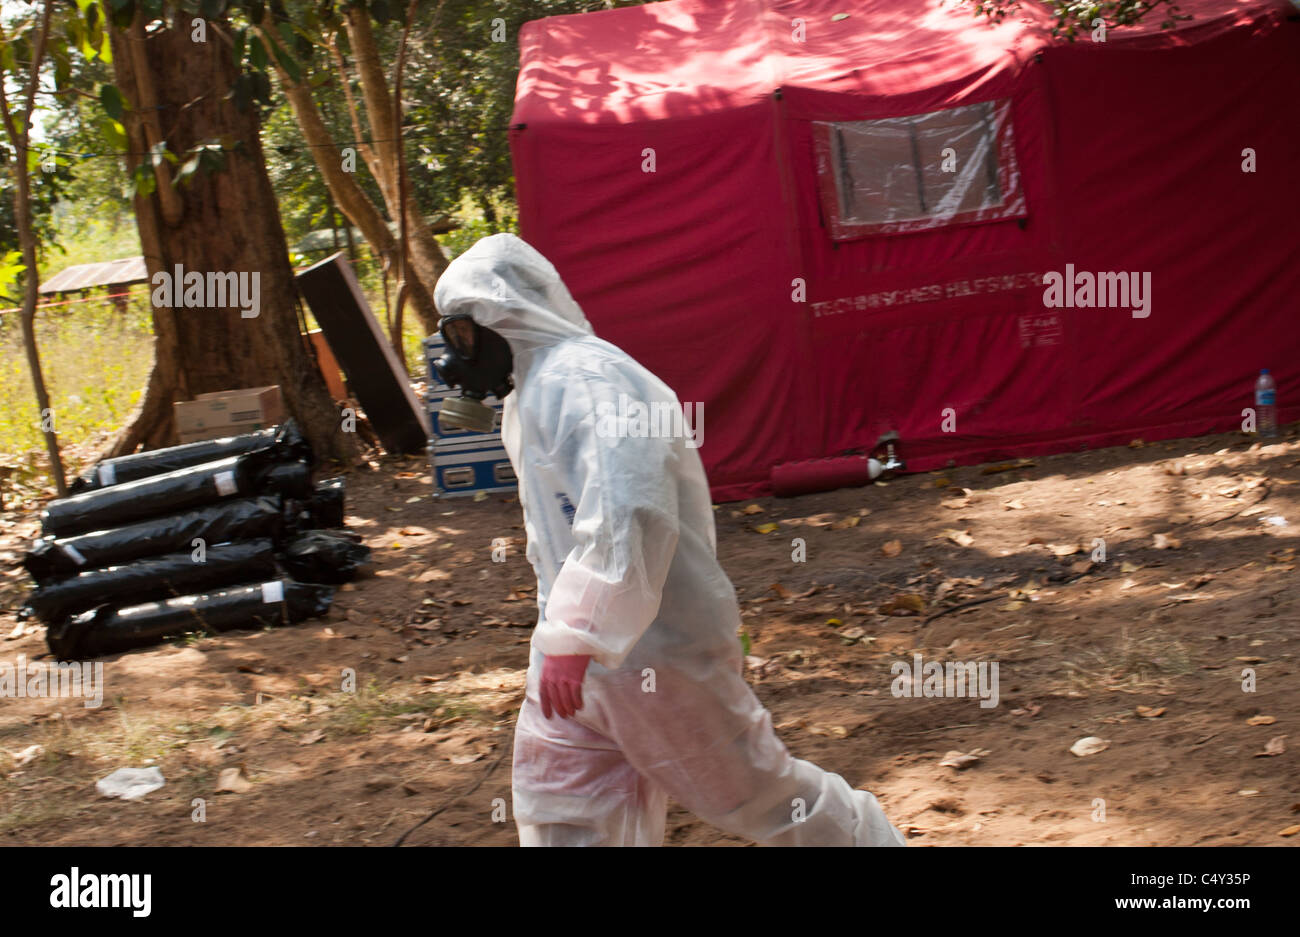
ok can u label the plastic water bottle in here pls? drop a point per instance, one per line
(1266, 404)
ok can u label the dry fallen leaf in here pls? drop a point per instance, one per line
(309, 738)
(1089, 745)
(1289, 831)
(751, 509)
(907, 603)
(838, 732)
(960, 760)
(233, 780)
(892, 547)
(27, 755)
(465, 758)
(960, 537)
(1016, 505)
(1146, 712)
(1166, 542)
(1127, 567)
(1275, 746)
(766, 528)
(1064, 549)
(1261, 720)
(850, 521)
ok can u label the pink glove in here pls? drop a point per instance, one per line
(561, 684)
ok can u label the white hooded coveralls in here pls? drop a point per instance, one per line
(621, 537)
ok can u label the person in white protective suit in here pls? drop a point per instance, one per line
(634, 688)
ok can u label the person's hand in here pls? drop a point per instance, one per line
(561, 684)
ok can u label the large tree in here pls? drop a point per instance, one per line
(204, 204)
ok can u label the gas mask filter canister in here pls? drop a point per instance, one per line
(478, 361)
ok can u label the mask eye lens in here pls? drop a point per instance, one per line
(459, 334)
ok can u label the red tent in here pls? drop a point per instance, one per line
(825, 226)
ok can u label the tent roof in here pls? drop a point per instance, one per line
(105, 273)
(681, 58)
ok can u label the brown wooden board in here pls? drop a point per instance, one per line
(374, 374)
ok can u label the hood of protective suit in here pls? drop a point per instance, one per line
(505, 285)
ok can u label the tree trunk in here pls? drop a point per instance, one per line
(427, 259)
(228, 223)
(352, 199)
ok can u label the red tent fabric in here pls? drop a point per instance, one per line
(794, 265)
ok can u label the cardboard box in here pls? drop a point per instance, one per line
(228, 413)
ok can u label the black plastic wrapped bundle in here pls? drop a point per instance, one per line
(156, 577)
(290, 479)
(107, 630)
(286, 438)
(172, 492)
(332, 556)
(326, 503)
(225, 521)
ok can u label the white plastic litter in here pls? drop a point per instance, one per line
(621, 536)
(131, 783)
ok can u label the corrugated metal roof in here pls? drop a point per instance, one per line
(85, 276)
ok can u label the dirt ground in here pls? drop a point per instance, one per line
(1145, 649)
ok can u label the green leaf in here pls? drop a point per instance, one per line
(111, 98)
(262, 87)
(144, 180)
(123, 12)
(839, 16)
(745, 644)
(257, 53)
(115, 133)
(241, 92)
(10, 268)
(288, 63)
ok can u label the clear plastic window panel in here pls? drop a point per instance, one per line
(920, 171)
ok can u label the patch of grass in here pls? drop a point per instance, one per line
(38, 811)
(96, 360)
(357, 713)
(1129, 663)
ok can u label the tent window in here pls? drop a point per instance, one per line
(921, 171)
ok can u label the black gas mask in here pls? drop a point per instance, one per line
(478, 361)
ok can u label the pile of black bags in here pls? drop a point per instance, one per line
(210, 536)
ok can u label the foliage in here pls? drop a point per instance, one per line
(1075, 16)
